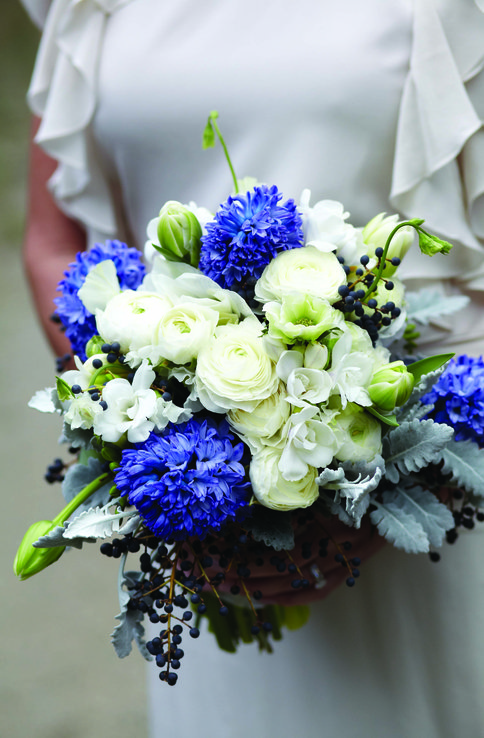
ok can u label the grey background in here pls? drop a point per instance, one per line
(59, 676)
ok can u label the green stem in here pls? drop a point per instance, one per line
(219, 134)
(379, 272)
(81, 497)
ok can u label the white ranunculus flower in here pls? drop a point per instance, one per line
(272, 490)
(306, 271)
(325, 228)
(309, 442)
(234, 369)
(131, 318)
(264, 421)
(130, 408)
(189, 285)
(181, 333)
(358, 434)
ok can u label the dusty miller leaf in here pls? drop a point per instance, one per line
(129, 628)
(78, 477)
(434, 517)
(272, 528)
(56, 538)
(420, 389)
(352, 482)
(98, 522)
(413, 445)
(465, 461)
(425, 305)
(76, 437)
(399, 528)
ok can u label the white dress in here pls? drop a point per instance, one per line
(376, 104)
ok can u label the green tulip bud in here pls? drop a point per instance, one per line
(30, 560)
(375, 235)
(179, 233)
(391, 386)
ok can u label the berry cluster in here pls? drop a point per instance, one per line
(356, 296)
(182, 581)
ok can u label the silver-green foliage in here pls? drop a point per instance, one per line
(414, 445)
(464, 460)
(129, 628)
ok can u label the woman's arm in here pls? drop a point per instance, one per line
(51, 243)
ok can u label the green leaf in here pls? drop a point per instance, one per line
(63, 390)
(465, 461)
(430, 364)
(434, 517)
(413, 445)
(208, 139)
(386, 419)
(399, 528)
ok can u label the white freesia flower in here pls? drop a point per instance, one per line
(130, 408)
(85, 372)
(309, 442)
(100, 286)
(131, 318)
(325, 228)
(351, 372)
(82, 412)
(234, 369)
(181, 333)
(303, 270)
(272, 490)
(264, 421)
(304, 385)
(167, 412)
(358, 434)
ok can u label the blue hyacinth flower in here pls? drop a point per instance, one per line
(458, 396)
(79, 323)
(247, 233)
(187, 481)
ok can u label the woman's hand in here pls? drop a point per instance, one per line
(277, 588)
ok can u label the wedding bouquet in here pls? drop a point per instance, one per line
(231, 403)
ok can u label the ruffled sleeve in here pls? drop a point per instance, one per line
(63, 93)
(37, 9)
(439, 158)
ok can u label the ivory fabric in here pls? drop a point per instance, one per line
(379, 105)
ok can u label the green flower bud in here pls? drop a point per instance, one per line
(391, 386)
(376, 233)
(30, 560)
(179, 233)
(93, 346)
(431, 245)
